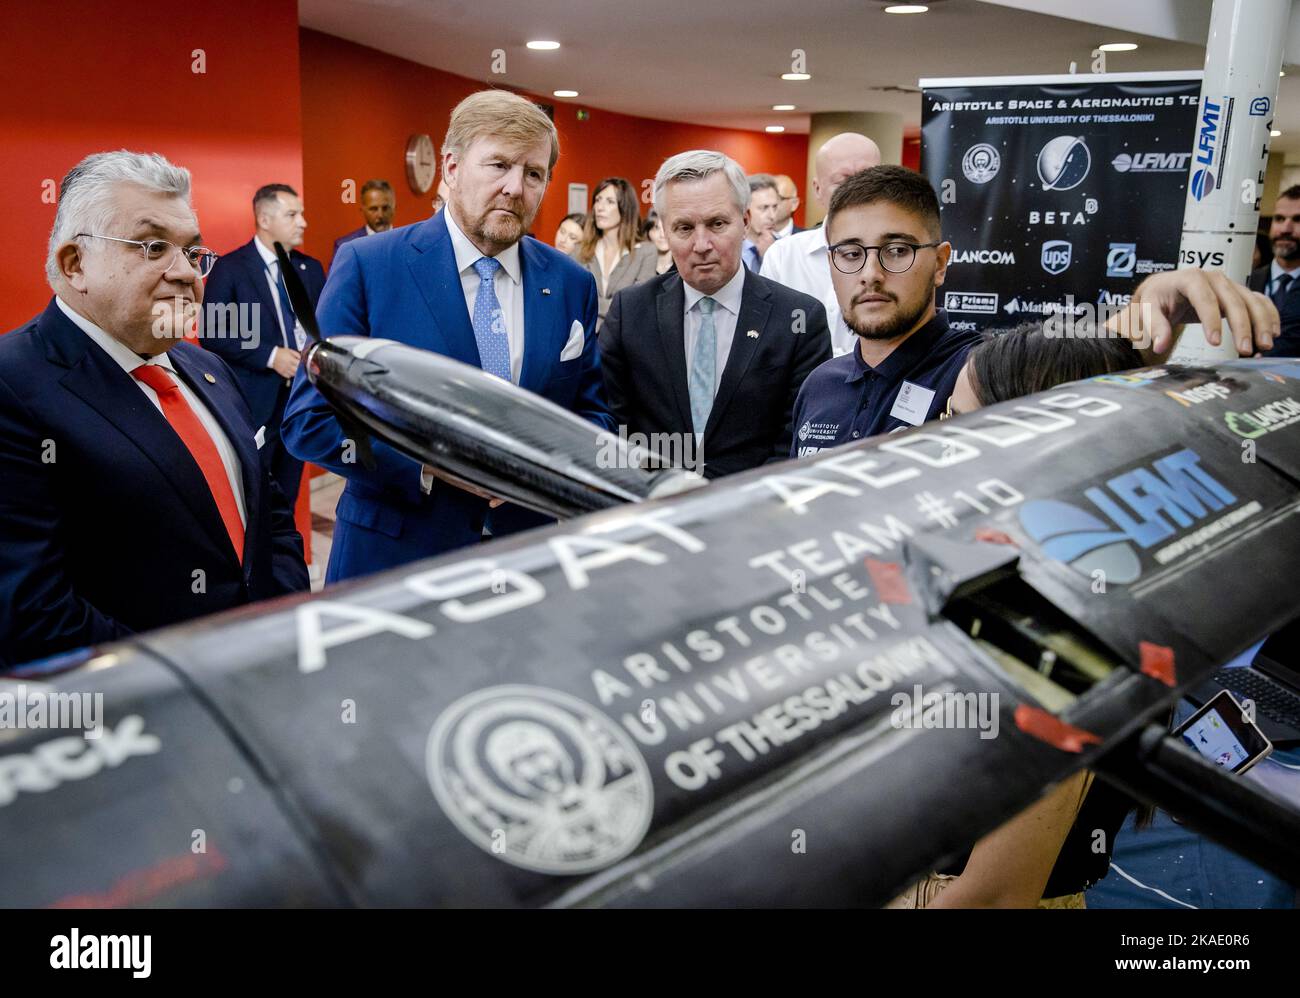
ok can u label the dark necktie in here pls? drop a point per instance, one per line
(1279, 292)
(287, 316)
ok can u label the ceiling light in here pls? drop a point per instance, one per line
(565, 93)
(796, 76)
(1118, 47)
(1274, 133)
(774, 128)
(907, 8)
(544, 46)
(782, 107)
(1281, 72)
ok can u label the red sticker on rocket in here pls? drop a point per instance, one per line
(1157, 662)
(1051, 729)
(887, 578)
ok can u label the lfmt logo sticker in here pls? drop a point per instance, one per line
(1142, 507)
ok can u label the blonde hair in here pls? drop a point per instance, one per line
(500, 113)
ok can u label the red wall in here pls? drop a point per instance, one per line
(83, 76)
(359, 106)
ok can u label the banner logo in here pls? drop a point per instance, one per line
(980, 302)
(982, 256)
(1057, 254)
(540, 779)
(981, 163)
(1151, 162)
(1063, 163)
(1121, 260)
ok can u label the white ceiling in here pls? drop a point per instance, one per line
(718, 62)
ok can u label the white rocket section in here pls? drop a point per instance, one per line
(1230, 149)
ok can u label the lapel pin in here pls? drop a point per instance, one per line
(752, 334)
(209, 378)
(302, 266)
(546, 291)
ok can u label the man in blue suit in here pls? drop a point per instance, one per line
(249, 320)
(134, 491)
(377, 205)
(467, 284)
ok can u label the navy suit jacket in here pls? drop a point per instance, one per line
(643, 357)
(240, 277)
(403, 285)
(347, 237)
(105, 518)
(1288, 343)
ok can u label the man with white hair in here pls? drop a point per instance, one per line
(135, 494)
(802, 260)
(710, 357)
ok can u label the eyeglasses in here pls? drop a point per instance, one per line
(897, 258)
(157, 250)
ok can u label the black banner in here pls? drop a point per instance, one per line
(1057, 192)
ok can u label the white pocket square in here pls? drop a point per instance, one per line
(573, 349)
(259, 437)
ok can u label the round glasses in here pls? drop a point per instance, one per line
(897, 257)
(159, 250)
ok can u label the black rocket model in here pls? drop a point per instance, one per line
(876, 654)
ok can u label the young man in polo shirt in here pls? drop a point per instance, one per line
(887, 258)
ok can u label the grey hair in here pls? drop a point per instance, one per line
(697, 164)
(762, 182)
(86, 194)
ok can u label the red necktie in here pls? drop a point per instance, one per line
(201, 447)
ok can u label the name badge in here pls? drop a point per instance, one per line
(912, 404)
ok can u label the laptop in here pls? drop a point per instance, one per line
(1271, 680)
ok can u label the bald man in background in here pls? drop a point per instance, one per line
(802, 261)
(787, 205)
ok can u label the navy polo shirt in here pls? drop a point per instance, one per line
(845, 399)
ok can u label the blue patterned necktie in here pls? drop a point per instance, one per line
(704, 366)
(489, 322)
(1279, 292)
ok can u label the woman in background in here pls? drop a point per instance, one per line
(653, 233)
(609, 243)
(569, 234)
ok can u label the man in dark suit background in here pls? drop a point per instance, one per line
(466, 283)
(377, 204)
(712, 353)
(262, 340)
(1278, 278)
(134, 491)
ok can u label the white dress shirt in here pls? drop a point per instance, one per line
(129, 361)
(297, 337)
(786, 230)
(725, 316)
(509, 288)
(802, 261)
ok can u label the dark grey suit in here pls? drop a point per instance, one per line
(643, 357)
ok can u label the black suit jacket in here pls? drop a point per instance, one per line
(643, 356)
(106, 520)
(239, 278)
